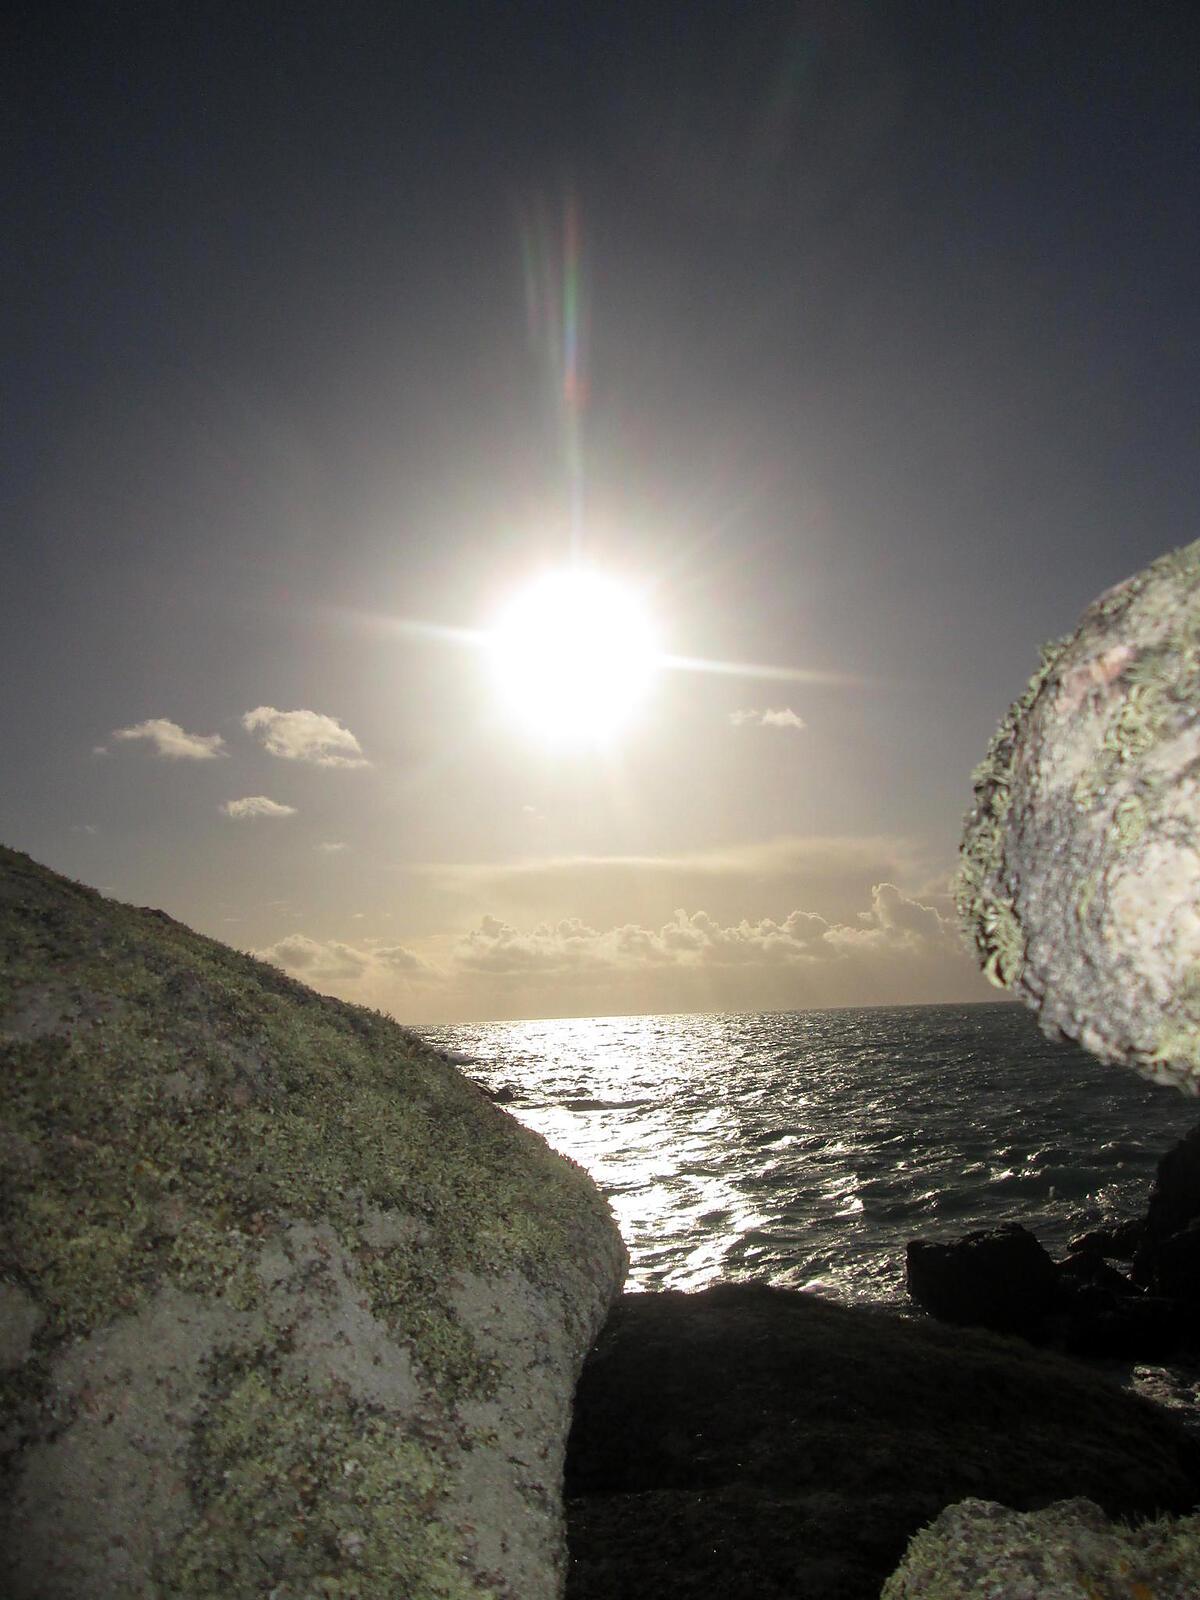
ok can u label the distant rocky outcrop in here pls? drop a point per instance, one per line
(1006, 1281)
(764, 1444)
(978, 1550)
(287, 1306)
(1080, 860)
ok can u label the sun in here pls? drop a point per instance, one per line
(574, 654)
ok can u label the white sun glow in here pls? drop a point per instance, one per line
(574, 654)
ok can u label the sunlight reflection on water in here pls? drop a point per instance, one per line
(807, 1147)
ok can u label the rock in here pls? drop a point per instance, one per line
(747, 1441)
(978, 1550)
(1083, 1267)
(1002, 1280)
(1176, 1271)
(1081, 857)
(1005, 1281)
(1118, 1243)
(1174, 1202)
(288, 1306)
(1098, 1322)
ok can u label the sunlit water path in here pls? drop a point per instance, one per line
(807, 1147)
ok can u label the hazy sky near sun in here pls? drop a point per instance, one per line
(870, 353)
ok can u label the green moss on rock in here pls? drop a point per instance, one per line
(175, 1110)
(978, 1550)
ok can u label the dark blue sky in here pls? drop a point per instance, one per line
(891, 325)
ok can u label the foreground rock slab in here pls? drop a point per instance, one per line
(751, 1441)
(978, 1550)
(287, 1306)
(1080, 874)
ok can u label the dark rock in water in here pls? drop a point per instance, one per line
(1125, 1327)
(750, 1441)
(1102, 1313)
(1176, 1268)
(1005, 1281)
(1081, 1268)
(1094, 1310)
(1118, 1243)
(1174, 1204)
(1002, 1280)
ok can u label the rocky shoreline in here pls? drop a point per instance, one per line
(1083, 1304)
(748, 1440)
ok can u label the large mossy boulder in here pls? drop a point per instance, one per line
(763, 1444)
(287, 1306)
(1080, 876)
(978, 1550)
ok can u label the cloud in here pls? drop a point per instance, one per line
(785, 717)
(897, 920)
(898, 939)
(830, 875)
(397, 959)
(305, 736)
(899, 951)
(85, 827)
(170, 740)
(332, 846)
(690, 939)
(256, 805)
(319, 961)
(314, 960)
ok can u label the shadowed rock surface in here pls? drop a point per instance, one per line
(1080, 871)
(1001, 1280)
(979, 1550)
(287, 1306)
(751, 1441)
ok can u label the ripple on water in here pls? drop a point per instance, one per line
(811, 1146)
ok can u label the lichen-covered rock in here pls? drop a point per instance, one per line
(287, 1306)
(978, 1550)
(1080, 866)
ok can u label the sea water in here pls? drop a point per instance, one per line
(806, 1148)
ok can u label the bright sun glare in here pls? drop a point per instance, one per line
(574, 653)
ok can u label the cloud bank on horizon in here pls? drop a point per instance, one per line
(770, 924)
(899, 949)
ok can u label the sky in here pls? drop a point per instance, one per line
(853, 345)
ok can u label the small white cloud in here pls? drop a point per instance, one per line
(784, 717)
(305, 736)
(170, 740)
(85, 827)
(256, 805)
(331, 847)
(100, 750)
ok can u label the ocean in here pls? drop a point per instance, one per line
(806, 1148)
